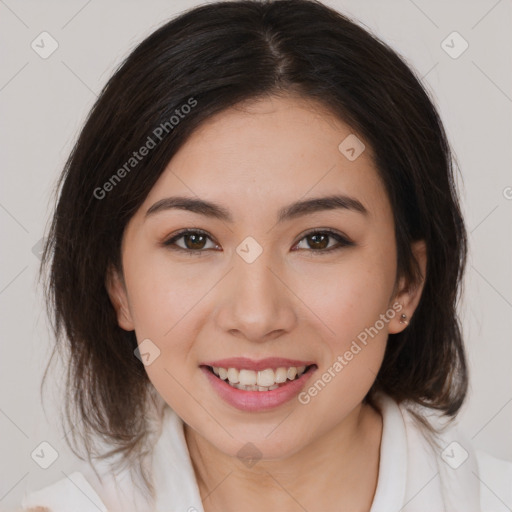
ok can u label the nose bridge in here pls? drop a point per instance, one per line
(256, 303)
(254, 280)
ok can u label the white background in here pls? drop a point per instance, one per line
(43, 105)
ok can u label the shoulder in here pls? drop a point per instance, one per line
(73, 492)
(100, 484)
(462, 467)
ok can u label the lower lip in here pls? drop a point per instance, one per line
(254, 401)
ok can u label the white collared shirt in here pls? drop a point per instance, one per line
(413, 477)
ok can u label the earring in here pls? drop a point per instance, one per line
(403, 319)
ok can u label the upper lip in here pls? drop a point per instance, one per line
(256, 365)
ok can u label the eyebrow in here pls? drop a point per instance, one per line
(292, 211)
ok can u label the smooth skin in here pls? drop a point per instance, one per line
(296, 300)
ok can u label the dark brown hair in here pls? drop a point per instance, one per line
(218, 55)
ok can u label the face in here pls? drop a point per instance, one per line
(257, 288)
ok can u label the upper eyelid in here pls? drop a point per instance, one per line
(185, 232)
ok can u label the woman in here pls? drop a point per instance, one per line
(255, 263)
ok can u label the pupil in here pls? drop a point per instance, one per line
(315, 243)
(194, 237)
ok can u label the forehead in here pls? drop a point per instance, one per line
(271, 152)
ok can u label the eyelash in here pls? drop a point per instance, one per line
(342, 241)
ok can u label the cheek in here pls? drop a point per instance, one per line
(165, 300)
(350, 295)
(161, 292)
(351, 305)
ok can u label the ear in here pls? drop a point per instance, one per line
(409, 294)
(116, 290)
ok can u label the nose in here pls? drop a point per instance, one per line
(255, 301)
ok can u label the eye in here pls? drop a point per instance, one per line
(318, 241)
(194, 241)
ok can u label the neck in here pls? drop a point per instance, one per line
(337, 471)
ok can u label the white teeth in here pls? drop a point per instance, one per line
(262, 380)
(281, 375)
(265, 377)
(254, 388)
(292, 371)
(247, 377)
(233, 375)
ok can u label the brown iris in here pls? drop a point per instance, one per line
(320, 241)
(197, 243)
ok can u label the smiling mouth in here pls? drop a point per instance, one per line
(262, 380)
